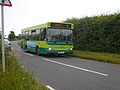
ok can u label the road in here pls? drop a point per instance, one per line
(69, 73)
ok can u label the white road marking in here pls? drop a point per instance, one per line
(28, 54)
(75, 67)
(49, 87)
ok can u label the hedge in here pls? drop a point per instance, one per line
(98, 33)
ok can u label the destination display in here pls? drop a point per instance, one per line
(60, 25)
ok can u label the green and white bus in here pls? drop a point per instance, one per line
(48, 38)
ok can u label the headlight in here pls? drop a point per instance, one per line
(49, 48)
(71, 48)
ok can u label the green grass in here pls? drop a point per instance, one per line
(15, 78)
(103, 57)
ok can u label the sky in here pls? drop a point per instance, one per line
(27, 13)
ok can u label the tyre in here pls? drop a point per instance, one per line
(37, 51)
(25, 47)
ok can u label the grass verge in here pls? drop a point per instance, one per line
(15, 78)
(103, 57)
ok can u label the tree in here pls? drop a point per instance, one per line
(11, 35)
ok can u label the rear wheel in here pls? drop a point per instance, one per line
(25, 47)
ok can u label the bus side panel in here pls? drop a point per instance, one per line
(43, 51)
(42, 47)
(31, 46)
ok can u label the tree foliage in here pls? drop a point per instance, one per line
(11, 35)
(98, 33)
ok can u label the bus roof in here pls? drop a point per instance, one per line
(46, 25)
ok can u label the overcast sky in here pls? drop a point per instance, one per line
(26, 13)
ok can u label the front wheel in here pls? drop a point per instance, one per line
(37, 51)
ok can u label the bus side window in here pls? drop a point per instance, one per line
(43, 34)
(38, 34)
(33, 34)
(29, 35)
(26, 35)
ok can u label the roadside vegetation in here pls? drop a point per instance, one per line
(98, 33)
(98, 56)
(15, 78)
(97, 37)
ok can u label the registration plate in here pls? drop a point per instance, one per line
(60, 52)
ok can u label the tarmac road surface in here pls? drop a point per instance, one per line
(69, 73)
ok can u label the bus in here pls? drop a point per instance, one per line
(48, 38)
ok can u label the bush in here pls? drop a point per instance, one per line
(98, 33)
